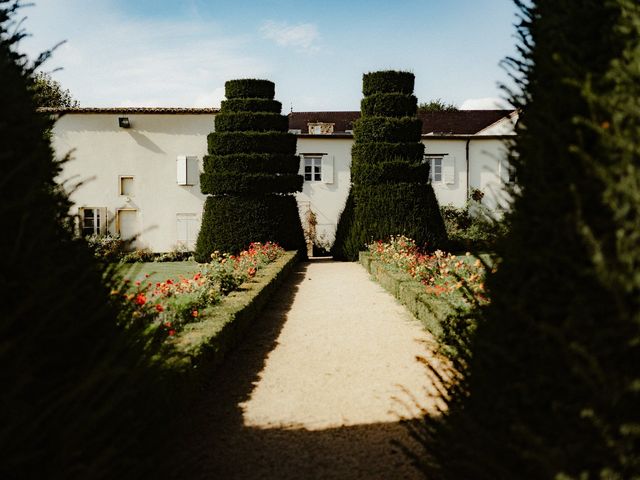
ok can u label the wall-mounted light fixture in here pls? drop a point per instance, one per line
(124, 122)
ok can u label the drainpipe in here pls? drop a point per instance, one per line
(467, 158)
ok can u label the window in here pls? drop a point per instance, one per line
(126, 186)
(312, 169)
(93, 220)
(187, 225)
(435, 167)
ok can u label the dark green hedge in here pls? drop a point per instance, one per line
(252, 163)
(376, 152)
(229, 224)
(387, 129)
(250, 105)
(249, 88)
(393, 171)
(225, 143)
(387, 81)
(389, 105)
(249, 183)
(251, 121)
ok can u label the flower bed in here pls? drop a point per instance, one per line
(438, 288)
(170, 305)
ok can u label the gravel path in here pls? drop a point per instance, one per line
(318, 388)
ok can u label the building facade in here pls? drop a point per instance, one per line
(135, 171)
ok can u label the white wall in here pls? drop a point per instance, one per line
(101, 151)
(326, 200)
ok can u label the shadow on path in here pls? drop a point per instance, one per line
(217, 445)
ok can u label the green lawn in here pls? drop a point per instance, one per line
(158, 271)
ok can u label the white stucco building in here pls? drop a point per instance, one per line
(135, 171)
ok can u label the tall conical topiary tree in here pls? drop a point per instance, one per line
(390, 192)
(552, 388)
(75, 394)
(250, 173)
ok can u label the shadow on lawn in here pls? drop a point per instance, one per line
(215, 443)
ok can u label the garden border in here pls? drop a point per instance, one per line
(204, 344)
(427, 309)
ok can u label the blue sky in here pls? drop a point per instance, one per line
(179, 53)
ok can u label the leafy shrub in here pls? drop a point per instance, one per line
(472, 228)
(107, 248)
(250, 183)
(390, 193)
(250, 105)
(250, 121)
(250, 175)
(252, 163)
(389, 105)
(140, 255)
(387, 81)
(249, 88)
(226, 143)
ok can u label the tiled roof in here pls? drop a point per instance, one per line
(130, 110)
(461, 122)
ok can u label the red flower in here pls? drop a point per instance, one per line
(194, 314)
(167, 324)
(172, 333)
(159, 307)
(251, 271)
(141, 299)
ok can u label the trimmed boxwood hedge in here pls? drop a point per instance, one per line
(393, 171)
(389, 104)
(226, 143)
(387, 81)
(251, 121)
(253, 183)
(251, 171)
(390, 193)
(376, 152)
(387, 129)
(230, 223)
(252, 163)
(250, 105)
(249, 88)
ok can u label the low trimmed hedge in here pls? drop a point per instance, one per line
(429, 310)
(377, 152)
(387, 81)
(250, 105)
(249, 88)
(204, 344)
(387, 129)
(226, 143)
(389, 105)
(364, 173)
(249, 183)
(251, 121)
(252, 163)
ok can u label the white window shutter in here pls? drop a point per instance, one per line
(301, 169)
(448, 169)
(327, 168)
(192, 170)
(103, 220)
(181, 173)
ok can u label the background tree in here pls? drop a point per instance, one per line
(48, 92)
(390, 192)
(551, 389)
(250, 173)
(437, 105)
(75, 374)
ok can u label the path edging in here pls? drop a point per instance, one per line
(408, 292)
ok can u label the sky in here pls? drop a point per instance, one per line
(172, 53)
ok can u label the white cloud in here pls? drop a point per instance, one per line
(113, 60)
(302, 37)
(484, 103)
